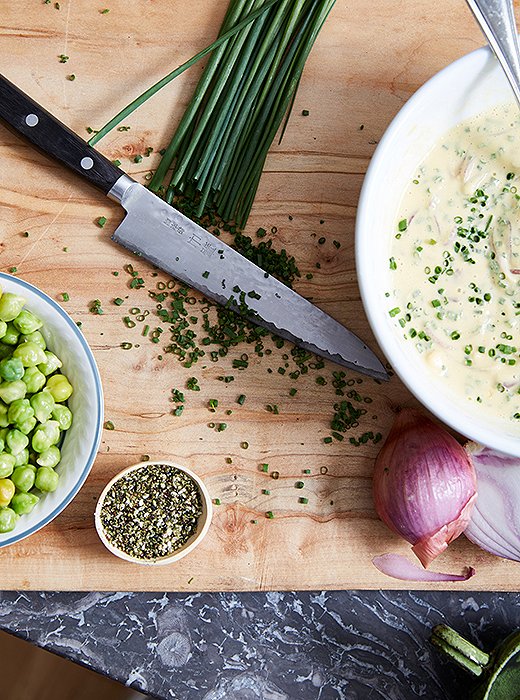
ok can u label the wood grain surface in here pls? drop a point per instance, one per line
(368, 60)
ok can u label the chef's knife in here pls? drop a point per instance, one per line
(171, 241)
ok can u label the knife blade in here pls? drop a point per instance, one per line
(161, 234)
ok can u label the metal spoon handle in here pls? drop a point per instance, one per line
(496, 18)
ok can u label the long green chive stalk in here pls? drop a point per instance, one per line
(218, 151)
(223, 37)
(216, 156)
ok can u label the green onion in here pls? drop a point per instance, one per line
(65, 296)
(109, 425)
(101, 221)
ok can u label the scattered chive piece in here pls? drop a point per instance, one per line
(13, 269)
(217, 501)
(178, 411)
(221, 427)
(266, 492)
(117, 163)
(306, 471)
(115, 273)
(71, 77)
(205, 274)
(402, 225)
(264, 467)
(101, 221)
(241, 399)
(212, 405)
(138, 158)
(293, 391)
(109, 425)
(327, 440)
(63, 58)
(105, 12)
(244, 445)
(254, 522)
(303, 500)
(305, 112)
(299, 485)
(126, 346)
(65, 296)
(193, 384)
(145, 458)
(118, 301)
(26, 234)
(269, 514)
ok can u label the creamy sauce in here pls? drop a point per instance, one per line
(454, 270)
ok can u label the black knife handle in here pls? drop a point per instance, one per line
(52, 137)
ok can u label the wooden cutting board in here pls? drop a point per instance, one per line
(368, 60)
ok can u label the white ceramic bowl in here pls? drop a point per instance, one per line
(197, 537)
(465, 88)
(81, 441)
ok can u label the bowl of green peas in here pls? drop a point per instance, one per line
(51, 409)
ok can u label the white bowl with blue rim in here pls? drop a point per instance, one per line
(81, 441)
(469, 86)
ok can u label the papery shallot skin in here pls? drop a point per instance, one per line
(424, 484)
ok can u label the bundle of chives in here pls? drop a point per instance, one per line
(218, 151)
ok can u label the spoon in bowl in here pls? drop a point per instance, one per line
(496, 18)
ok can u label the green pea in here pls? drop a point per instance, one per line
(51, 364)
(22, 458)
(35, 337)
(7, 490)
(45, 435)
(63, 415)
(10, 391)
(16, 441)
(4, 420)
(33, 379)
(26, 322)
(46, 479)
(59, 386)
(11, 368)
(8, 518)
(49, 458)
(10, 306)
(27, 425)
(11, 335)
(3, 328)
(23, 503)
(7, 463)
(42, 403)
(20, 410)
(23, 477)
(30, 354)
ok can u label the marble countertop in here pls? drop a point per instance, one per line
(343, 645)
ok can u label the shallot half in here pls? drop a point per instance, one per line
(424, 484)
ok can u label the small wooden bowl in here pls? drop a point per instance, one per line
(197, 537)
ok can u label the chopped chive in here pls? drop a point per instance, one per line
(269, 514)
(65, 296)
(299, 485)
(264, 467)
(109, 425)
(118, 301)
(101, 221)
(402, 225)
(241, 399)
(303, 500)
(217, 501)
